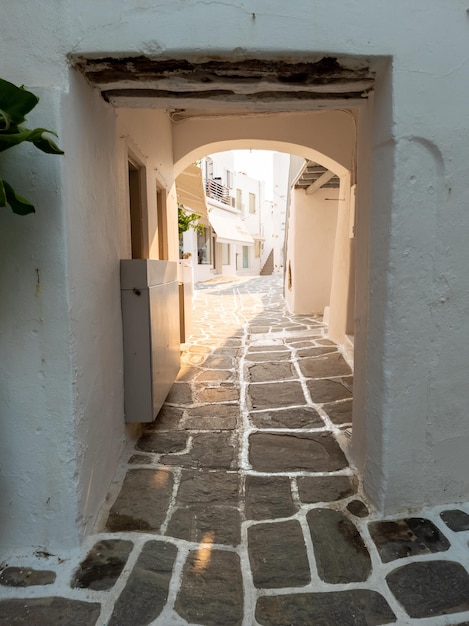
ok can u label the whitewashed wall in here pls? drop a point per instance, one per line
(93, 252)
(311, 244)
(281, 165)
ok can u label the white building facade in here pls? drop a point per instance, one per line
(231, 240)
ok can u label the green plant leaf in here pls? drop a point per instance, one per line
(8, 140)
(15, 103)
(3, 195)
(46, 144)
(18, 204)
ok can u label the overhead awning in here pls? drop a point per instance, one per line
(190, 190)
(229, 228)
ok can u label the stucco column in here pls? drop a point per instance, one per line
(411, 410)
(340, 287)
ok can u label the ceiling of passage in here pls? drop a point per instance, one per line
(250, 84)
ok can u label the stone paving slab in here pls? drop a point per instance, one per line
(217, 394)
(325, 390)
(146, 591)
(358, 607)
(211, 588)
(209, 450)
(211, 376)
(275, 452)
(341, 555)
(313, 489)
(268, 497)
(325, 366)
(217, 487)
(267, 348)
(431, 588)
(358, 508)
(180, 393)
(142, 502)
(26, 577)
(210, 423)
(262, 372)
(212, 417)
(220, 362)
(273, 395)
(294, 417)
(325, 342)
(169, 418)
(314, 351)
(271, 357)
(140, 459)
(162, 442)
(339, 412)
(50, 611)
(103, 565)
(206, 523)
(456, 520)
(277, 553)
(401, 538)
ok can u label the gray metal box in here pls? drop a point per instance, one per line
(150, 317)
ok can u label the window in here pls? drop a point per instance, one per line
(239, 199)
(245, 257)
(208, 168)
(225, 253)
(252, 203)
(257, 248)
(229, 179)
(204, 247)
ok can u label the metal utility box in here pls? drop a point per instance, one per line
(150, 317)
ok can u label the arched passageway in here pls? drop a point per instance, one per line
(327, 137)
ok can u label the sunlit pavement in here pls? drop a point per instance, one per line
(239, 505)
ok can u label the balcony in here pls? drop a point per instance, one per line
(217, 191)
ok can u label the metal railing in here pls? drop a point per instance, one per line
(217, 191)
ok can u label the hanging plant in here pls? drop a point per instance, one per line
(188, 220)
(15, 104)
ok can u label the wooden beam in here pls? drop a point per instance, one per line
(322, 180)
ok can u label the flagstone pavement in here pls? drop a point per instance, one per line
(239, 505)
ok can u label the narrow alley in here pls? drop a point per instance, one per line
(238, 505)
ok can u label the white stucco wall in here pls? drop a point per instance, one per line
(37, 452)
(147, 134)
(38, 465)
(342, 284)
(327, 134)
(229, 269)
(311, 240)
(93, 251)
(411, 436)
(281, 166)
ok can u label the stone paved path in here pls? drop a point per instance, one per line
(238, 506)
